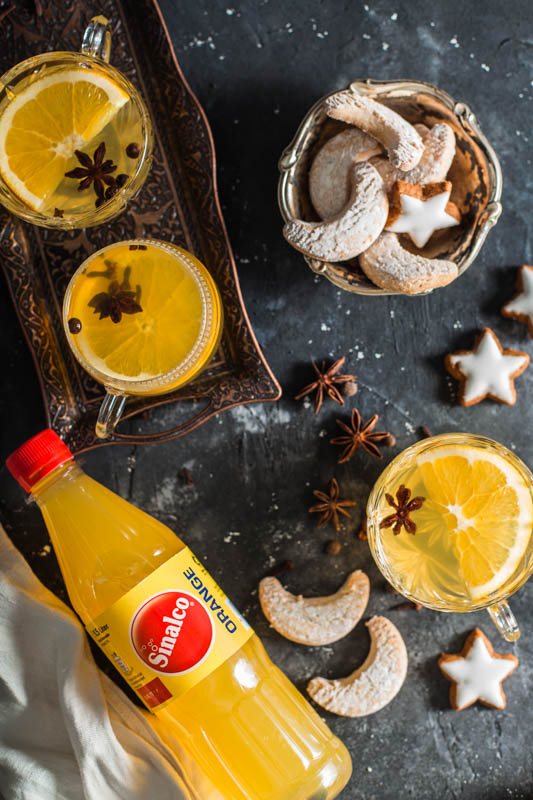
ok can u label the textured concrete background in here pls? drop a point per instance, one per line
(256, 68)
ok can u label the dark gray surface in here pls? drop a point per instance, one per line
(256, 68)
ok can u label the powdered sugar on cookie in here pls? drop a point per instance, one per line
(400, 139)
(315, 620)
(351, 231)
(436, 160)
(391, 267)
(477, 673)
(375, 683)
(330, 176)
(487, 370)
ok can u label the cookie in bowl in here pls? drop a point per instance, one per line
(438, 173)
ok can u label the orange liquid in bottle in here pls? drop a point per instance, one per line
(246, 726)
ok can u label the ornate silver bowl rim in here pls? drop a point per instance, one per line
(394, 90)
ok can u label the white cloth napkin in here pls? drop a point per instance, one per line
(66, 731)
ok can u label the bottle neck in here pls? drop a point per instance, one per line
(66, 473)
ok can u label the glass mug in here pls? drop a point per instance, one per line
(471, 503)
(143, 317)
(75, 136)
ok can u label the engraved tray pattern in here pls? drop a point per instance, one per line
(178, 203)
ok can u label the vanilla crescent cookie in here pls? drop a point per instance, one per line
(477, 673)
(436, 160)
(351, 231)
(375, 683)
(487, 370)
(400, 139)
(520, 307)
(391, 267)
(315, 620)
(419, 210)
(330, 175)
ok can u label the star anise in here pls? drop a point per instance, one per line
(330, 506)
(325, 382)
(359, 435)
(118, 300)
(403, 508)
(93, 171)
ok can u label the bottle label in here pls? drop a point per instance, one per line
(170, 631)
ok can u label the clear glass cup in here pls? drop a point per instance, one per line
(430, 565)
(125, 122)
(143, 317)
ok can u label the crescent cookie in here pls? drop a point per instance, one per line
(330, 176)
(391, 267)
(315, 620)
(351, 231)
(375, 683)
(399, 138)
(436, 160)
(487, 370)
(520, 307)
(477, 673)
(420, 210)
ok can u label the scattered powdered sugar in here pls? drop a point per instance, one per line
(231, 536)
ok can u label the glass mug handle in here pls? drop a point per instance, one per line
(505, 621)
(96, 40)
(109, 414)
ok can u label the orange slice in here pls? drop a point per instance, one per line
(46, 121)
(486, 508)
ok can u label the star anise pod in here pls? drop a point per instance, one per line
(403, 508)
(93, 171)
(325, 382)
(330, 505)
(359, 435)
(118, 300)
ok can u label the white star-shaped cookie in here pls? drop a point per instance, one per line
(477, 673)
(520, 307)
(420, 210)
(487, 370)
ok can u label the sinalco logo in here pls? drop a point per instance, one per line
(172, 632)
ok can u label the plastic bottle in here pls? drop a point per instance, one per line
(178, 641)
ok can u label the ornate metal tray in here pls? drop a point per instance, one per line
(178, 203)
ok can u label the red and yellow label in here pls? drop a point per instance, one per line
(170, 631)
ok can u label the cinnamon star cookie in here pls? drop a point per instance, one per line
(477, 673)
(419, 210)
(520, 307)
(487, 370)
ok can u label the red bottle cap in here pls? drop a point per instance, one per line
(37, 457)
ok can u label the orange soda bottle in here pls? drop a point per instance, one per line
(178, 640)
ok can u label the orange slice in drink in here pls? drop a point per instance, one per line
(487, 509)
(46, 121)
(152, 342)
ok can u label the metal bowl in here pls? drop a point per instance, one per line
(475, 173)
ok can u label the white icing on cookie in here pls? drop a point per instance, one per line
(421, 218)
(478, 675)
(488, 370)
(522, 304)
